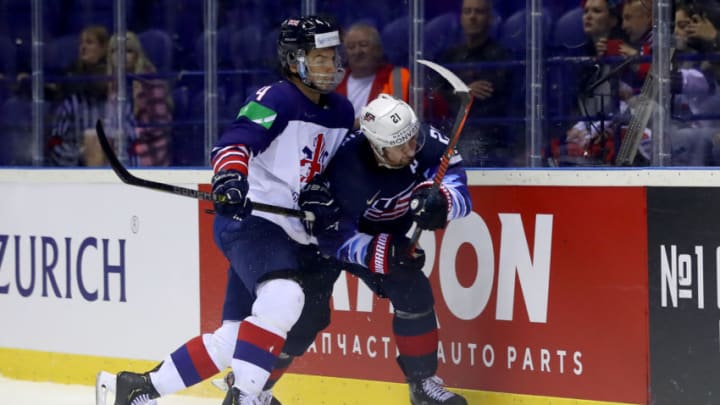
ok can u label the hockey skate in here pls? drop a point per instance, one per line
(430, 391)
(130, 388)
(237, 397)
(225, 384)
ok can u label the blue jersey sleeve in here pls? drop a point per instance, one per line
(455, 181)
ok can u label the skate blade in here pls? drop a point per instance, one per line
(104, 382)
(220, 384)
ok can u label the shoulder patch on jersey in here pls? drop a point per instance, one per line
(258, 114)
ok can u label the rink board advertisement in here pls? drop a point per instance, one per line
(85, 269)
(684, 264)
(540, 291)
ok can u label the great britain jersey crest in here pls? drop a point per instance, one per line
(314, 159)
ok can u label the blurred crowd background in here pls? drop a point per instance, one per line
(556, 83)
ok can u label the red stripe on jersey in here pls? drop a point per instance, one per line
(419, 345)
(261, 338)
(234, 157)
(204, 365)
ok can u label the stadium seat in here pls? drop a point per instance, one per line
(186, 142)
(16, 19)
(513, 30)
(509, 7)
(568, 31)
(158, 46)
(82, 13)
(60, 53)
(395, 37)
(15, 125)
(440, 33)
(245, 47)
(7, 56)
(268, 50)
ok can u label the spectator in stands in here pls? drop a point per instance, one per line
(149, 110)
(367, 73)
(481, 144)
(595, 100)
(693, 85)
(598, 141)
(699, 24)
(637, 24)
(692, 80)
(701, 32)
(601, 23)
(83, 98)
(91, 63)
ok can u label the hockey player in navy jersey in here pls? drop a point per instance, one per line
(282, 138)
(381, 179)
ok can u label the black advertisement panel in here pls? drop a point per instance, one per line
(684, 261)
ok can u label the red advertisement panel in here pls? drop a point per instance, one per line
(213, 270)
(541, 291)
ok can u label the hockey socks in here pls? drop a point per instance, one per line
(416, 336)
(185, 367)
(256, 352)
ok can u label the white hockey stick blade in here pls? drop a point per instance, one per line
(220, 384)
(104, 383)
(458, 85)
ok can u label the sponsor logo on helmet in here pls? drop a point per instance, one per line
(327, 39)
(369, 117)
(404, 135)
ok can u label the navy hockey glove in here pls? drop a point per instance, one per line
(429, 206)
(316, 198)
(234, 186)
(391, 252)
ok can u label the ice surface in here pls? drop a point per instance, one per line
(17, 392)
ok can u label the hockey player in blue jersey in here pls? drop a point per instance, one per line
(381, 179)
(282, 138)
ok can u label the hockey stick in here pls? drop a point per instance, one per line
(646, 103)
(132, 180)
(463, 91)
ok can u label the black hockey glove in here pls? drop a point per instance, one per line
(429, 206)
(234, 186)
(391, 252)
(316, 198)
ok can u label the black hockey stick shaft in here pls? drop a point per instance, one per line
(132, 180)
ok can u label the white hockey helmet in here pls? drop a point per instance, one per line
(388, 121)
